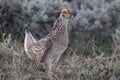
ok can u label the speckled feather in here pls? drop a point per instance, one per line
(51, 48)
(39, 49)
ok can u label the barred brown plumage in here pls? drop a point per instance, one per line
(39, 49)
(51, 48)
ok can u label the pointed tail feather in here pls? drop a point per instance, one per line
(29, 40)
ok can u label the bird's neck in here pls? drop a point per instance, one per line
(64, 23)
(60, 30)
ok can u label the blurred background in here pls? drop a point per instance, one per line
(94, 28)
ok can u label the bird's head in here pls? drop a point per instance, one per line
(66, 12)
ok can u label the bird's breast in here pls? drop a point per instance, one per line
(62, 41)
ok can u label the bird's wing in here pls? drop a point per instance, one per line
(40, 49)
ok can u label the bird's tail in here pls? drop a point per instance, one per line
(26, 28)
(29, 40)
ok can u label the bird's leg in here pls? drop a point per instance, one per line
(52, 73)
(34, 66)
(49, 72)
(56, 71)
(60, 62)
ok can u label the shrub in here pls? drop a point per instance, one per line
(90, 18)
(37, 14)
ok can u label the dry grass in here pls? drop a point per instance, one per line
(14, 65)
